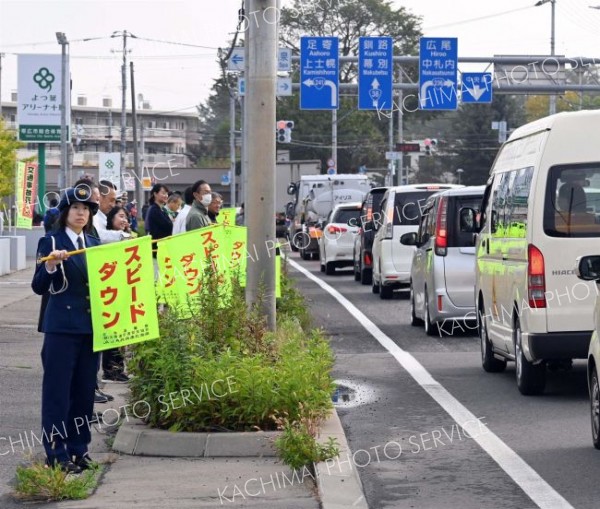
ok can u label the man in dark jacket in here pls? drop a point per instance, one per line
(198, 215)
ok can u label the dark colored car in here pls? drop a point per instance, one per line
(363, 242)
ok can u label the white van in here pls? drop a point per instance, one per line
(540, 212)
(400, 213)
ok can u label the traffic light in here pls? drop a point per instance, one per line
(283, 131)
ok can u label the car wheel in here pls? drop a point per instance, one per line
(316, 256)
(293, 247)
(330, 268)
(374, 286)
(488, 361)
(304, 254)
(429, 325)
(595, 408)
(531, 378)
(414, 320)
(386, 292)
(357, 272)
(366, 276)
(322, 266)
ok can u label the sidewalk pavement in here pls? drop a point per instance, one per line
(144, 481)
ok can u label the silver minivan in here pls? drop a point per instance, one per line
(443, 267)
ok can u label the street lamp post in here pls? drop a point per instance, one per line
(64, 157)
(459, 173)
(552, 109)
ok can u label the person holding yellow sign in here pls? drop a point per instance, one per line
(68, 360)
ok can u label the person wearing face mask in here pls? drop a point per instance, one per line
(198, 215)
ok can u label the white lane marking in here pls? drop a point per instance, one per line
(517, 469)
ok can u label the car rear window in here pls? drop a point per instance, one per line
(572, 205)
(457, 238)
(345, 216)
(408, 207)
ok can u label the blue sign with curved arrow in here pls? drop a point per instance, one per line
(319, 73)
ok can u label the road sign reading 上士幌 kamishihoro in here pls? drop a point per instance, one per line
(319, 73)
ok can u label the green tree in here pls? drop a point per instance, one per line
(8, 160)
(475, 144)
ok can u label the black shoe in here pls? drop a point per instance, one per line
(84, 462)
(105, 395)
(116, 378)
(98, 398)
(66, 466)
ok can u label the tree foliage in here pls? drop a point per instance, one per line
(8, 160)
(475, 143)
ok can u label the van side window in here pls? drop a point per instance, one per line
(516, 202)
(422, 234)
(572, 203)
(499, 192)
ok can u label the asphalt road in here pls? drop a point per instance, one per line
(440, 467)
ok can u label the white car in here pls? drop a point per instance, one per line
(401, 209)
(337, 242)
(587, 268)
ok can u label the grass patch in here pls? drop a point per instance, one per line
(37, 482)
(222, 370)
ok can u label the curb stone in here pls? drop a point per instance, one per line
(338, 483)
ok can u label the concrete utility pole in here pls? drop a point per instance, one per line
(401, 129)
(1, 57)
(232, 146)
(552, 108)
(64, 154)
(136, 155)
(259, 210)
(124, 34)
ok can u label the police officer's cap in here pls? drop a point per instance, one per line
(82, 194)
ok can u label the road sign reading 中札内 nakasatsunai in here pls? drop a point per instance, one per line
(438, 73)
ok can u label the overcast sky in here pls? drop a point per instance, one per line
(177, 77)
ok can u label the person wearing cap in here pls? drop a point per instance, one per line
(68, 360)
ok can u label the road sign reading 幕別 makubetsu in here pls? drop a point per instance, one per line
(122, 298)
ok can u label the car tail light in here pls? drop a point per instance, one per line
(336, 229)
(441, 228)
(389, 231)
(439, 302)
(536, 279)
(368, 259)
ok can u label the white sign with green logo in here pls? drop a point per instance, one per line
(109, 167)
(39, 98)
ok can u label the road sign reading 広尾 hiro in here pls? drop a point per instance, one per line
(476, 87)
(375, 70)
(438, 67)
(319, 73)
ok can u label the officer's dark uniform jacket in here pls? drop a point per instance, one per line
(68, 312)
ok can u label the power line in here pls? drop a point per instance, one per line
(480, 18)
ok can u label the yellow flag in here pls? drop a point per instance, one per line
(122, 298)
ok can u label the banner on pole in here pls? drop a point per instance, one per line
(26, 192)
(122, 297)
(39, 98)
(184, 260)
(227, 216)
(109, 167)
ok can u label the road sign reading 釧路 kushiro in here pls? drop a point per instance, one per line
(319, 73)
(375, 69)
(438, 66)
(39, 98)
(476, 87)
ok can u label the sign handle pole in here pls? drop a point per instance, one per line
(42, 177)
(334, 125)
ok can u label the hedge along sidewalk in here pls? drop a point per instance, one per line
(338, 487)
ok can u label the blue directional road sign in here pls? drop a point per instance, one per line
(438, 80)
(319, 73)
(476, 87)
(375, 69)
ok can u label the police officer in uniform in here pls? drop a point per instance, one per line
(67, 357)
